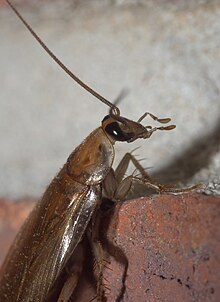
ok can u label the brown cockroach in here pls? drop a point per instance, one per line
(51, 237)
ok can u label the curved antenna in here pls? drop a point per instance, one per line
(120, 97)
(114, 108)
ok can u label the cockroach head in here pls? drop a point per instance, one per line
(119, 128)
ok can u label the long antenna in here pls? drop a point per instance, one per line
(114, 108)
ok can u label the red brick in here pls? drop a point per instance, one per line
(170, 243)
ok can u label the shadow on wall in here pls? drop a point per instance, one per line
(194, 158)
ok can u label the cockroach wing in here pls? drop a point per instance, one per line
(46, 241)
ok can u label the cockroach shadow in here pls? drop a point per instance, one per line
(108, 226)
(194, 158)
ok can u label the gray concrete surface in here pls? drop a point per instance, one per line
(167, 54)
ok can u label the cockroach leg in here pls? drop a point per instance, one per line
(99, 259)
(73, 271)
(115, 179)
(123, 166)
(126, 186)
(117, 187)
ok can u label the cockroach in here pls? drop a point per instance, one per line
(51, 237)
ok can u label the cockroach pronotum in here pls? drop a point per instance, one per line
(50, 239)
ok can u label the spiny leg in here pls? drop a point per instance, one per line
(123, 166)
(73, 270)
(115, 180)
(127, 184)
(125, 187)
(99, 259)
(117, 187)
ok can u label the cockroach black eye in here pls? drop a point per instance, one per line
(115, 131)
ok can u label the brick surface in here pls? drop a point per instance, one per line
(172, 247)
(164, 248)
(12, 215)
